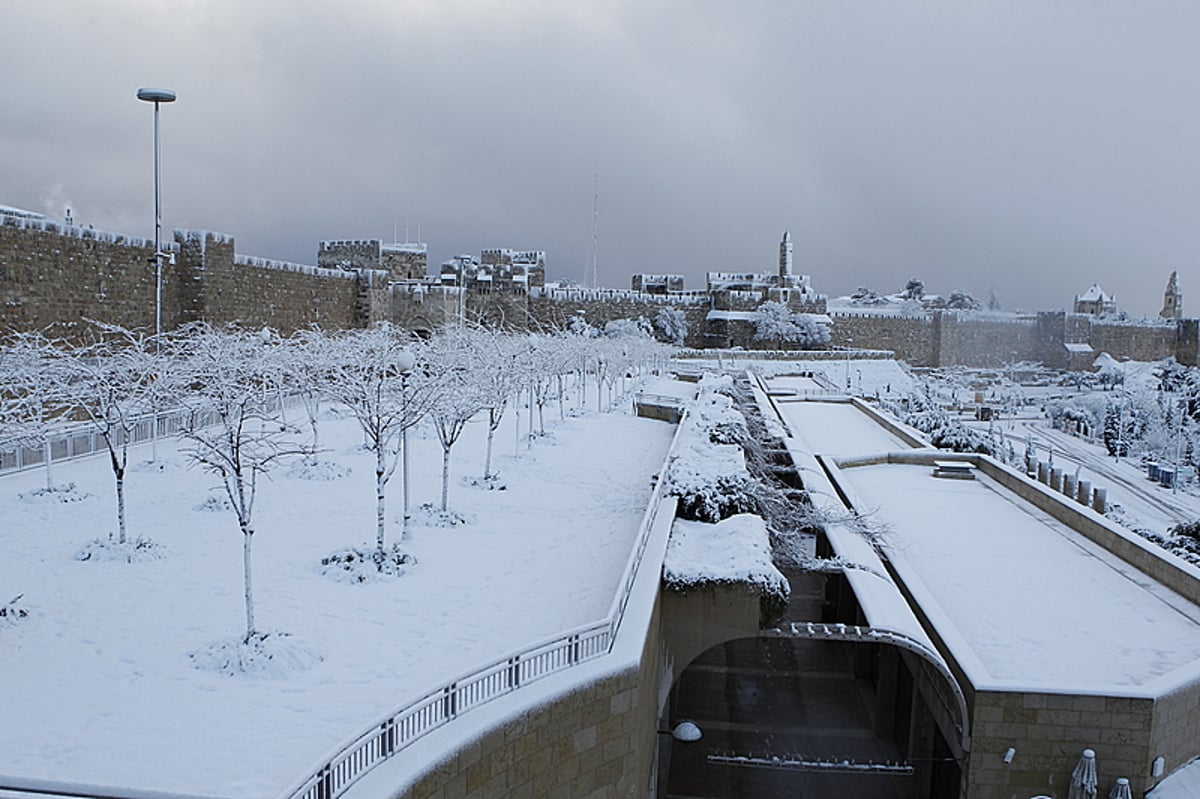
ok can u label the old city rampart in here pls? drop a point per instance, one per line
(61, 273)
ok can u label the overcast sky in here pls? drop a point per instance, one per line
(1028, 146)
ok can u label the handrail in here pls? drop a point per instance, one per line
(80, 439)
(395, 731)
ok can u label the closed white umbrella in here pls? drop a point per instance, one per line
(1121, 790)
(1083, 778)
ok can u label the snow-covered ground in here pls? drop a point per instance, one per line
(98, 683)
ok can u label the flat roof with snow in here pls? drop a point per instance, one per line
(1023, 601)
(836, 428)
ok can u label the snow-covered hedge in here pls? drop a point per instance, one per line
(708, 471)
(736, 551)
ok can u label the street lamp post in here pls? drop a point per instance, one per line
(157, 96)
(405, 363)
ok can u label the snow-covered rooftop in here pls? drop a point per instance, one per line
(1094, 294)
(836, 428)
(1023, 601)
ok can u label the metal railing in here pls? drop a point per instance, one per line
(443, 704)
(80, 439)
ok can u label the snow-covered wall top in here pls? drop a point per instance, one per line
(581, 294)
(76, 232)
(408, 246)
(287, 266)
(193, 234)
(331, 244)
(8, 210)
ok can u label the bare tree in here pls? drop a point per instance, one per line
(107, 384)
(28, 415)
(460, 396)
(230, 380)
(378, 374)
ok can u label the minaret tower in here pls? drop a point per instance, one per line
(785, 257)
(1172, 299)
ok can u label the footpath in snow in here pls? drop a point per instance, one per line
(99, 687)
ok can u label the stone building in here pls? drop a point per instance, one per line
(1095, 301)
(1172, 299)
(402, 261)
(496, 271)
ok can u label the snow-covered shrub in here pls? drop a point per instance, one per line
(429, 515)
(54, 495)
(490, 483)
(672, 326)
(720, 418)
(161, 465)
(131, 550)
(260, 655)
(710, 481)
(13, 610)
(317, 470)
(957, 437)
(214, 503)
(358, 564)
(736, 551)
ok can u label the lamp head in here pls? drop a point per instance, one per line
(156, 95)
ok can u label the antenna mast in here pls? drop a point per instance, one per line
(594, 283)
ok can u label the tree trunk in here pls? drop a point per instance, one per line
(121, 506)
(487, 458)
(46, 460)
(247, 538)
(445, 477)
(380, 518)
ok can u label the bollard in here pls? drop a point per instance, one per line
(1043, 472)
(1084, 493)
(1056, 476)
(1099, 497)
(1068, 486)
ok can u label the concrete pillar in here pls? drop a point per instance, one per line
(1099, 500)
(1068, 486)
(1084, 492)
(1056, 479)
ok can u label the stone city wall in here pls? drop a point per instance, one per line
(598, 308)
(983, 342)
(226, 287)
(910, 337)
(54, 273)
(1138, 342)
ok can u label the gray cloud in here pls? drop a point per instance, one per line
(1034, 147)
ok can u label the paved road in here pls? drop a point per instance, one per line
(1154, 506)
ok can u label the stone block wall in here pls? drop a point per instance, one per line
(557, 313)
(1136, 342)
(595, 741)
(910, 337)
(983, 342)
(1049, 731)
(349, 254)
(224, 287)
(404, 261)
(1175, 729)
(51, 273)
(1187, 342)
